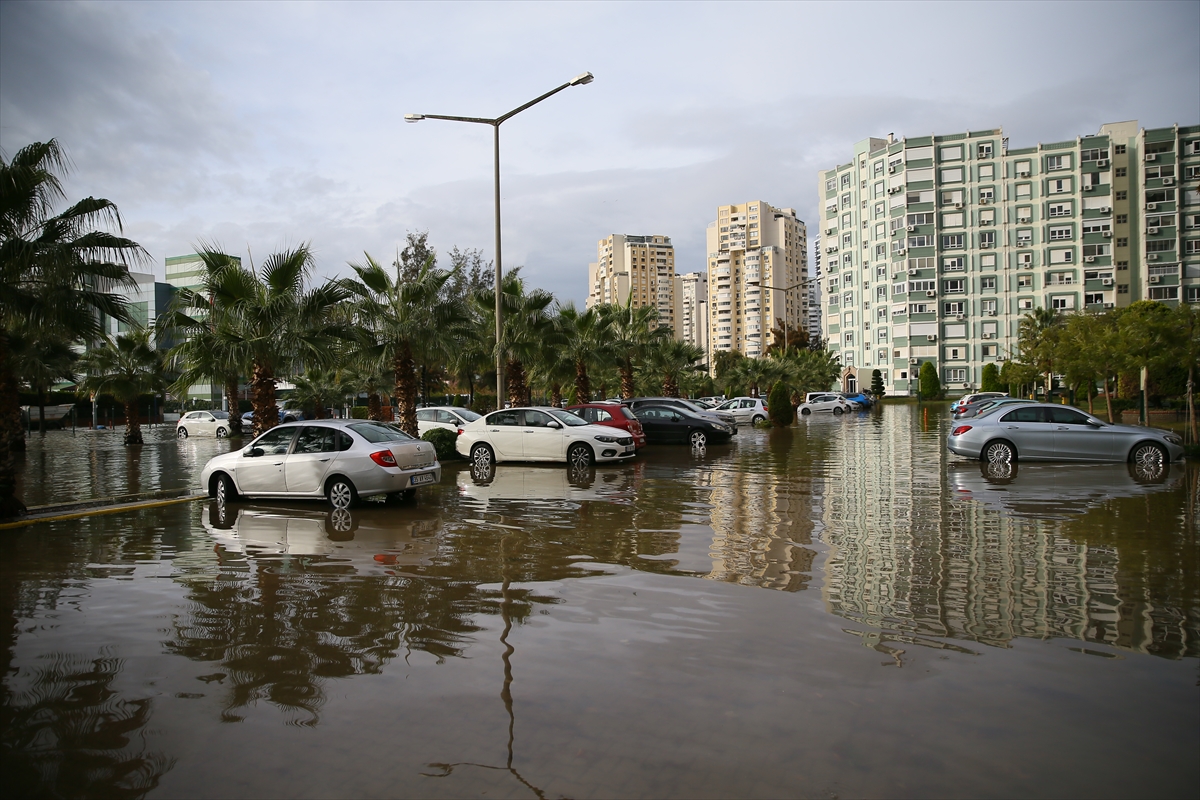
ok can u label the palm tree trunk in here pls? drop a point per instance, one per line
(133, 426)
(583, 385)
(10, 434)
(1191, 385)
(406, 389)
(627, 387)
(515, 372)
(231, 400)
(1108, 400)
(556, 395)
(670, 386)
(374, 407)
(262, 398)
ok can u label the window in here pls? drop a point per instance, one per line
(877, 169)
(881, 293)
(1058, 186)
(1122, 219)
(954, 175)
(1122, 288)
(956, 264)
(956, 286)
(926, 262)
(1062, 256)
(991, 350)
(920, 241)
(1096, 226)
(920, 308)
(1024, 280)
(988, 307)
(1093, 298)
(914, 219)
(956, 375)
(881, 335)
(1057, 162)
(954, 197)
(1060, 209)
(1192, 247)
(985, 150)
(1118, 149)
(846, 181)
(954, 220)
(879, 191)
(1024, 304)
(1024, 191)
(987, 195)
(988, 282)
(923, 196)
(921, 286)
(1193, 294)
(1094, 154)
(954, 309)
(1163, 171)
(1164, 292)
(954, 242)
(1160, 245)
(881, 271)
(1120, 172)
(1062, 303)
(1060, 232)
(845, 201)
(987, 239)
(1024, 168)
(1192, 221)
(951, 153)
(846, 220)
(848, 338)
(1121, 195)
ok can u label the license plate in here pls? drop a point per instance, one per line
(417, 480)
(629, 448)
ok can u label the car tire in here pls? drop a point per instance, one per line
(1148, 455)
(804, 412)
(223, 488)
(580, 455)
(698, 439)
(181, 433)
(482, 457)
(757, 419)
(1000, 452)
(222, 433)
(340, 492)
(837, 411)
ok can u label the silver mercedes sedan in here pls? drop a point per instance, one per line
(1047, 432)
(340, 460)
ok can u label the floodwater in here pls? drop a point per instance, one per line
(840, 609)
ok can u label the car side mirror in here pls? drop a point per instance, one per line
(554, 425)
(253, 452)
(1095, 423)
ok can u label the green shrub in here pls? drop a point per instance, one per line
(443, 442)
(877, 387)
(990, 380)
(779, 403)
(358, 412)
(931, 386)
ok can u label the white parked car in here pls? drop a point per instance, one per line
(542, 434)
(452, 418)
(829, 402)
(340, 460)
(745, 410)
(967, 399)
(203, 423)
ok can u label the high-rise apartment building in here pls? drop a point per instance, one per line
(641, 267)
(187, 272)
(757, 268)
(814, 292)
(935, 247)
(691, 312)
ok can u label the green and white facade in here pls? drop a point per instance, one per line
(935, 247)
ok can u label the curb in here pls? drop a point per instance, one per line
(108, 505)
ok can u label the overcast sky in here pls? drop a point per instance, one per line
(264, 125)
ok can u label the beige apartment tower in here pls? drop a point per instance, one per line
(691, 310)
(636, 269)
(757, 268)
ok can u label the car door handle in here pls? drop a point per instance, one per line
(323, 460)
(1062, 428)
(1013, 427)
(279, 463)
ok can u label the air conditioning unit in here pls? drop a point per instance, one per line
(914, 361)
(1107, 234)
(1108, 305)
(1024, 219)
(911, 228)
(1102, 162)
(1106, 281)
(1089, 187)
(892, 170)
(1104, 209)
(1168, 181)
(985, 222)
(830, 231)
(1089, 259)
(1152, 256)
(958, 205)
(1151, 156)
(931, 293)
(932, 337)
(901, 251)
(1154, 279)
(1151, 206)
(983, 201)
(1023, 174)
(1151, 230)
(912, 272)
(991, 313)
(960, 317)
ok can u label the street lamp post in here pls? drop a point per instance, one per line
(578, 80)
(785, 291)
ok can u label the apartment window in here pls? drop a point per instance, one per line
(1062, 303)
(953, 309)
(881, 293)
(986, 195)
(833, 300)
(953, 242)
(1024, 304)
(920, 241)
(1024, 280)
(1122, 219)
(1120, 172)
(923, 196)
(1024, 214)
(1160, 245)
(1122, 265)
(880, 250)
(847, 259)
(987, 283)
(921, 286)
(877, 169)
(1092, 154)
(1122, 195)
(848, 338)
(881, 335)
(1060, 186)
(846, 240)
(1191, 247)
(1057, 162)
(985, 150)
(1024, 191)
(1093, 298)
(954, 175)
(1118, 149)
(1164, 171)
(1096, 226)
(1160, 196)
(988, 261)
(1193, 294)
(1060, 232)
(845, 220)
(991, 350)
(925, 262)
(915, 219)
(1024, 168)
(879, 190)
(845, 201)
(954, 197)
(954, 220)
(956, 286)
(951, 153)
(1122, 288)
(988, 307)
(956, 375)
(956, 264)
(987, 239)
(881, 314)
(848, 319)
(919, 308)
(1191, 173)
(881, 271)
(1164, 293)
(1060, 209)
(847, 298)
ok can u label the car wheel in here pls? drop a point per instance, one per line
(999, 453)
(181, 433)
(222, 433)
(698, 439)
(580, 455)
(482, 457)
(341, 493)
(223, 489)
(837, 410)
(757, 419)
(804, 412)
(1148, 456)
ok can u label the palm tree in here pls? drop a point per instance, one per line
(318, 388)
(273, 323)
(56, 272)
(584, 340)
(368, 373)
(402, 315)
(671, 360)
(526, 321)
(41, 359)
(127, 367)
(1038, 336)
(633, 331)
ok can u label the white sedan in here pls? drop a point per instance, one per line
(340, 460)
(451, 418)
(541, 434)
(203, 423)
(833, 403)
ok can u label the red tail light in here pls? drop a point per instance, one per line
(384, 458)
(960, 430)
(460, 431)
(765, 408)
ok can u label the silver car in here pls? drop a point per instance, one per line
(746, 410)
(340, 460)
(1047, 432)
(203, 423)
(451, 418)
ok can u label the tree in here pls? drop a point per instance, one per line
(879, 390)
(931, 385)
(633, 333)
(1148, 338)
(416, 255)
(41, 359)
(525, 322)
(319, 388)
(402, 315)
(671, 360)
(989, 380)
(58, 273)
(794, 337)
(127, 368)
(1187, 326)
(274, 323)
(1038, 338)
(780, 407)
(583, 339)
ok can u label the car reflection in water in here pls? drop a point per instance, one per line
(542, 485)
(367, 536)
(1056, 491)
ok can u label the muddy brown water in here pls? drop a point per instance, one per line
(841, 609)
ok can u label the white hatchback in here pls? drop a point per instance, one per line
(203, 423)
(746, 410)
(340, 460)
(542, 434)
(832, 403)
(451, 418)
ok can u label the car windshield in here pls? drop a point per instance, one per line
(467, 414)
(221, 414)
(377, 432)
(565, 417)
(728, 404)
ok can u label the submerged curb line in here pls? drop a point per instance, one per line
(109, 505)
